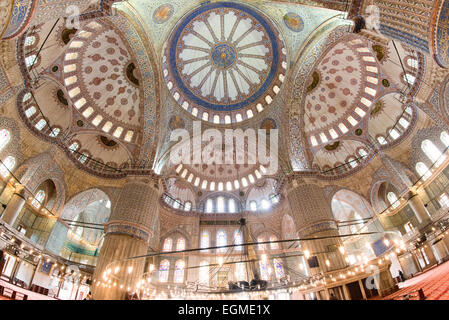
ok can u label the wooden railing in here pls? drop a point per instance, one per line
(11, 294)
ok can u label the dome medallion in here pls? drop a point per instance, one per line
(224, 62)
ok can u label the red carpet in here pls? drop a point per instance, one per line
(435, 284)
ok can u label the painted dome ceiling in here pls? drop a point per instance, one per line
(224, 62)
(341, 91)
(98, 80)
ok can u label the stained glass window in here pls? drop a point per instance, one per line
(179, 271)
(264, 272)
(278, 268)
(163, 270)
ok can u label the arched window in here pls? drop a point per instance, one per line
(30, 60)
(168, 242)
(261, 246)
(413, 63)
(264, 272)
(253, 206)
(83, 157)
(238, 239)
(432, 152)
(5, 137)
(240, 271)
(38, 199)
(30, 40)
(7, 166)
(30, 111)
(74, 146)
(209, 206)
(26, 97)
(181, 244)
(188, 206)
(363, 154)
(41, 124)
(444, 137)
(265, 204)
(221, 240)
(231, 206)
(410, 79)
(204, 273)
(220, 205)
(163, 270)
(179, 271)
(382, 140)
(393, 199)
(278, 268)
(394, 134)
(274, 245)
(404, 123)
(423, 171)
(204, 240)
(54, 132)
(356, 226)
(352, 162)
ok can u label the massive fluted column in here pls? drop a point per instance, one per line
(133, 223)
(15, 206)
(313, 217)
(421, 212)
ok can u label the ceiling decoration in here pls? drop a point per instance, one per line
(294, 22)
(341, 157)
(163, 13)
(391, 119)
(341, 91)
(224, 62)
(348, 85)
(102, 81)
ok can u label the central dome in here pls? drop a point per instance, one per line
(224, 62)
